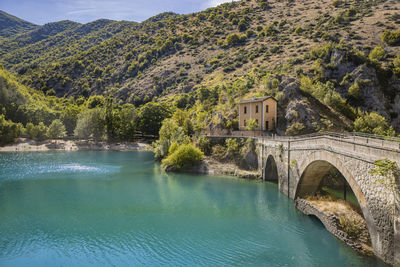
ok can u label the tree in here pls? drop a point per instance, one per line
(56, 129)
(91, 123)
(127, 122)
(251, 125)
(69, 117)
(151, 117)
(36, 132)
(373, 123)
(82, 129)
(9, 130)
(170, 132)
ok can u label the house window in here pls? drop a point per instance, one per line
(266, 109)
(244, 123)
(257, 109)
(245, 110)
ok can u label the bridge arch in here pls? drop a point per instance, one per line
(312, 170)
(270, 170)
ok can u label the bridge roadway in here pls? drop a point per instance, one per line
(298, 165)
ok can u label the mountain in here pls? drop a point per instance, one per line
(325, 61)
(10, 25)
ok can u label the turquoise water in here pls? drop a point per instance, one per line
(120, 209)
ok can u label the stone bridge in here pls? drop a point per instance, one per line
(299, 164)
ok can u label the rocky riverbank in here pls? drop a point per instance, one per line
(341, 220)
(73, 145)
(212, 167)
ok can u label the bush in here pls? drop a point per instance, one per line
(204, 145)
(232, 148)
(391, 38)
(219, 152)
(354, 91)
(234, 39)
(296, 128)
(251, 125)
(182, 157)
(377, 54)
(373, 123)
(56, 129)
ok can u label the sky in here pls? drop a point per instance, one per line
(83, 11)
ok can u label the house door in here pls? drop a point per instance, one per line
(266, 125)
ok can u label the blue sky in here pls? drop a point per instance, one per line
(43, 11)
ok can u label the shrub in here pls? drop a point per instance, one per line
(232, 148)
(377, 54)
(234, 39)
(296, 128)
(251, 125)
(298, 30)
(373, 123)
(204, 145)
(354, 91)
(396, 65)
(182, 157)
(219, 152)
(56, 129)
(391, 38)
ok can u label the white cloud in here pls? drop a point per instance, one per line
(213, 3)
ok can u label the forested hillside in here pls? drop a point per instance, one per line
(10, 25)
(327, 62)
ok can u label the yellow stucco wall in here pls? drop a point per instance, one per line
(252, 113)
(270, 116)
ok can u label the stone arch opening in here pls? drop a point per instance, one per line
(313, 173)
(271, 170)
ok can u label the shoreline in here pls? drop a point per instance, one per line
(73, 145)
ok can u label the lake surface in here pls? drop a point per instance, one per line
(120, 209)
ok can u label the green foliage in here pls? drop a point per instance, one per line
(151, 116)
(296, 128)
(204, 145)
(391, 38)
(373, 123)
(299, 30)
(96, 101)
(91, 123)
(251, 125)
(56, 130)
(9, 130)
(232, 148)
(234, 39)
(396, 65)
(377, 54)
(351, 226)
(182, 157)
(325, 92)
(36, 132)
(170, 132)
(354, 90)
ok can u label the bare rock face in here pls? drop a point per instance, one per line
(301, 111)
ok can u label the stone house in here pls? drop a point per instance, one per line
(263, 110)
